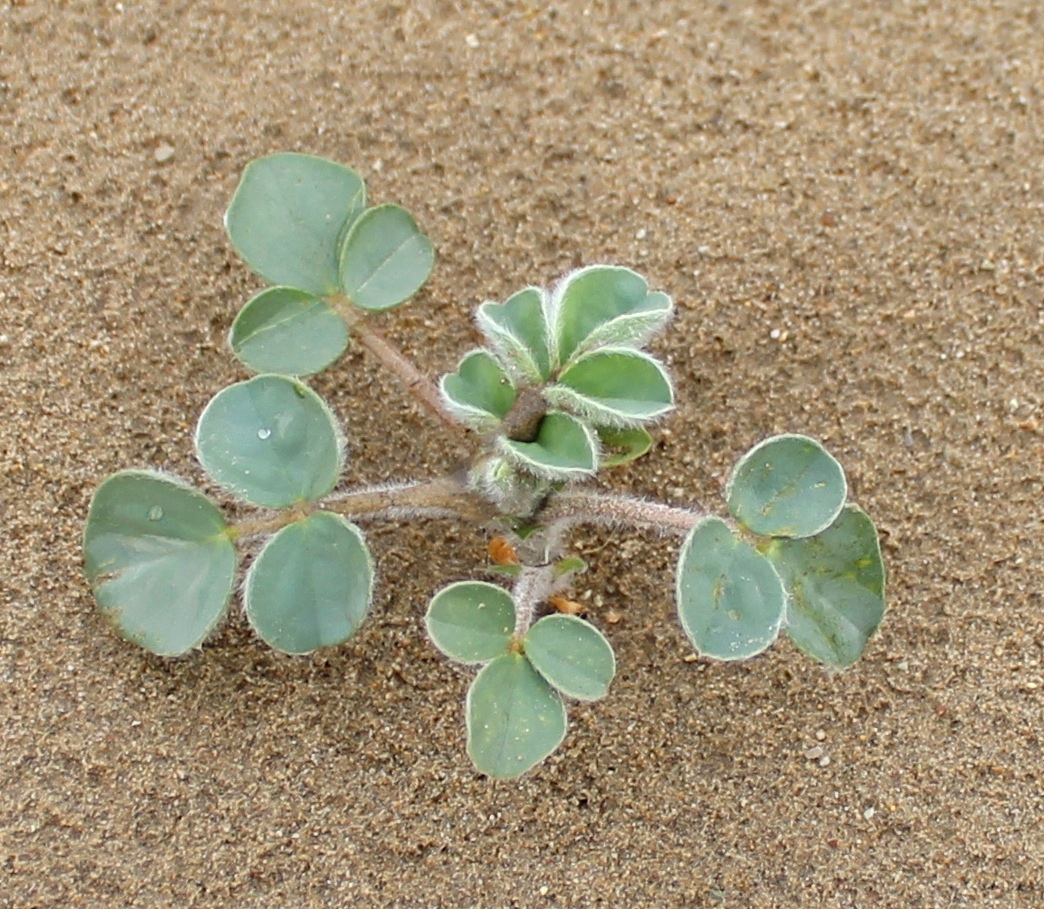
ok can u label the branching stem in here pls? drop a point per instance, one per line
(565, 509)
(446, 497)
(532, 587)
(392, 359)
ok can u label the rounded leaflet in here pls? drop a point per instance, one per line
(271, 441)
(730, 599)
(514, 718)
(288, 215)
(311, 584)
(471, 621)
(159, 560)
(787, 486)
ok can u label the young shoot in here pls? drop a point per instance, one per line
(563, 388)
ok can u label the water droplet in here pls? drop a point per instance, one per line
(264, 433)
(155, 513)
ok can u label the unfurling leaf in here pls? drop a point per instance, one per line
(479, 393)
(517, 331)
(564, 448)
(605, 305)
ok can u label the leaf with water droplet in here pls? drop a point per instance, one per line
(272, 441)
(159, 560)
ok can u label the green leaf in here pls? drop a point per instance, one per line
(730, 599)
(271, 441)
(384, 258)
(517, 331)
(479, 393)
(288, 331)
(787, 486)
(615, 387)
(569, 565)
(515, 719)
(311, 584)
(508, 571)
(471, 621)
(621, 446)
(836, 582)
(159, 560)
(287, 217)
(572, 655)
(605, 305)
(564, 448)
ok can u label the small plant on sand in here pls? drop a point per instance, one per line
(562, 389)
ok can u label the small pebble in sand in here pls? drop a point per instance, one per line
(163, 153)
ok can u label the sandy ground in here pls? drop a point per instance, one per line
(846, 200)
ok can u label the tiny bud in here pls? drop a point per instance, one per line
(569, 607)
(501, 552)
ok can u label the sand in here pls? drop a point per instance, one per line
(847, 202)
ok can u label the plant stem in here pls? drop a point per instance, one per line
(580, 507)
(532, 587)
(392, 359)
(522, 422)
(446, 497)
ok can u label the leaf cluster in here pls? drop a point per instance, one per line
(563, 388)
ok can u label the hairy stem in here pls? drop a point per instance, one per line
(392, 359)
(446, 497)
(532, 587)
(580, 507)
